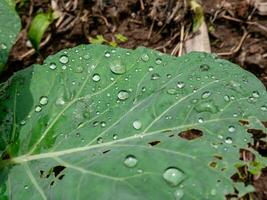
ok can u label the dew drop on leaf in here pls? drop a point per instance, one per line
(228, 140)
(173, 176)
(180, 84)
(204, 67)
(206, 106)
(130, 161)
(43, 100)
(117, 68)
(155, 76)
(60, 101)
(99, 140)
(264, 108)
(123, 95)
(205, 95)
(145, 57)
(96, 77)
(38, 109)
(158, 61)
(107, 54)
(200, 120)
(115, 137)
(256, 94)
(3, 46)
(226, 98)
(78, 69)
(52, 66)
(178, 194)
(231, 129)
(103, 124)
(137, 124)
(150, 68)
(64, 59)
(86, 115)
(26, 187)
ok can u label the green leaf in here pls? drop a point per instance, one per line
(38, 26)
(97, 122)
(121, 37)
(98, 40)
(9, 29)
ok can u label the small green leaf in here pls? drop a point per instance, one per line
(9, 29)
(97, 122)
(38, 26)
(113, 43)
(121, 37)
(99, 39)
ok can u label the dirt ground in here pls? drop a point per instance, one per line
(237, 32)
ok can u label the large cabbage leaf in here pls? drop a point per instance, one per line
(97, 122)
(10, 27)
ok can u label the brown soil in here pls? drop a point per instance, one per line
(237, 32)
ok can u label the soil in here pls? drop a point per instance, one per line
(237, 32)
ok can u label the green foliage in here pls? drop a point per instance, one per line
(99, 39)
(10, 27)
(38, 26)
(97, 122)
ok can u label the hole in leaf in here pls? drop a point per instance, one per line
(57, 170)
(213, 164)
(154, 143)
(106, 151)
(243, 122)
(191, 134)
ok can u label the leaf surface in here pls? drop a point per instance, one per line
(10, 27)
(97, 122)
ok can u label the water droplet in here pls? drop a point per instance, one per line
(158, 61)
(43, 100)
(228, 140)
(107, 54)
(256, 94)
(99, 140)
(38, 108)
(79, 69)
(204, 67)
(155, 76)
(206, 106)
(64, 67)
(264, 108)
(173, 176)
(123, 95)
(130, 161)
(117, 68)
(3, 46)
(180, 84)
(231, 129)
(205, 95)
(26, 187)
(86, 56)
(23, 122)
(200, 120)
(171, 91)
(226, 98)
(86, 114)
(145, 57)
(60, 101)
(96, 77)
(64, 59)
(150, 68)
(52, 66)
(115, 137)
(213, 192)
(178, 194)
(137, 124)
(103, 124)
